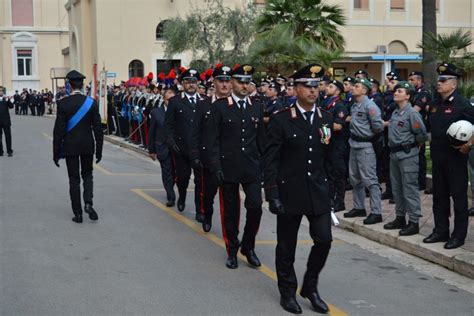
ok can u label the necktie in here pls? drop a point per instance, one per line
(242, 106)
(308, 116)
(192, 101)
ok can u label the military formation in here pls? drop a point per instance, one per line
(303, 141)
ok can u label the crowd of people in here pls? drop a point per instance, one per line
(307, 140)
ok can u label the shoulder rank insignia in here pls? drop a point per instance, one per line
(230, 102)
(293, 113)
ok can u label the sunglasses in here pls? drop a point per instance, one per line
(443, 79)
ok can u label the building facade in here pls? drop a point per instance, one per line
(33, 34)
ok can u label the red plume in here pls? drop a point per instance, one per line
(182, 69)
(150, 77)
(161, 76)
(209, 73)
(235, 67)
(203, 76)
(171, 74)
(218, 65)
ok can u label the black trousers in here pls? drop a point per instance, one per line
(77, 167)
(24, 109)
(183, 174)
(287, 237)
(229, 197)
(337, 176)
(209, 191)
(422, 167)
(8, 138)
(167, 178)
(450, 179)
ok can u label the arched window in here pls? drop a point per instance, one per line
(135, 68)
(159, 30)
(397, 48)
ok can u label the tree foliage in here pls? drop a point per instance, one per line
(213, 33)
(290, 33)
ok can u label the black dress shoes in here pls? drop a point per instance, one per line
(181, 204)
(435, 237)
(290, 305)
(391, 201)
(10, 154)
(206, 224)
(454, 243)
(339, 207)
(231, 262)
(471, 211)
(199, 217)
(373, 219)
(411, 229)
(252, 258)
(91, 212)
(429, 191)
(355, 213)
(170, 203)
(398, 223)
(316, 301)
(77, 219)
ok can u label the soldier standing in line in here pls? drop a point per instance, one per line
(5, 123)
(366, 127)
(406, 132)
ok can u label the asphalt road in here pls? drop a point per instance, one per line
(143, 258)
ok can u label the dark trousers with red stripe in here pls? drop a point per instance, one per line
(230, 214)
(287, 237)
(183, 174)
(209, 191)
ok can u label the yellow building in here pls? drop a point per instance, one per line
(33, 34)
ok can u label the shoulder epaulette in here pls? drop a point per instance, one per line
(281, 110)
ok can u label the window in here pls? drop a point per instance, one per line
(24, 62)
(135, 69)
(159, 30)
(361, 4)
(22, 12)
(397, 4)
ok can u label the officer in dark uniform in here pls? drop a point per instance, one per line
(5, 123)
(421, 101)
(337, 164)
(236, 158)
(77, 145)
(201, 141)
(179, 118)
(16, 102)
(450, 175)
(361, 73)
(349, 83)
(296, 184)
(274, 102)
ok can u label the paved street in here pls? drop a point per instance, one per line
(146, 259)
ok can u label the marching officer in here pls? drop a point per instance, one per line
(77, 120)
(296, 184)
(274, 102)
(201, 141)
(5, 123)
(158, 148)
(337, 174)
(450, 175)
(179, 118)
(421, 101)
(366, 127)
(239, 141)
(406, 131)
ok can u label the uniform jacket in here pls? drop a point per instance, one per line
(295, 159)
(201, 142)
(339, 112)
(366, 122)
(5, 106)
(406, 127)
(157, 137)
(422, 98)
(178, 121)
(79, 141)
(445, 112)
(239, 140)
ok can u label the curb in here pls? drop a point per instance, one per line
(458, 260)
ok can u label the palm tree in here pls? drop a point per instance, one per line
(429, 29)
(291, 33)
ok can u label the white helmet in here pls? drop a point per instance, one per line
(459, 132)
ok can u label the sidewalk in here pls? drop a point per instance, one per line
(460, 260)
